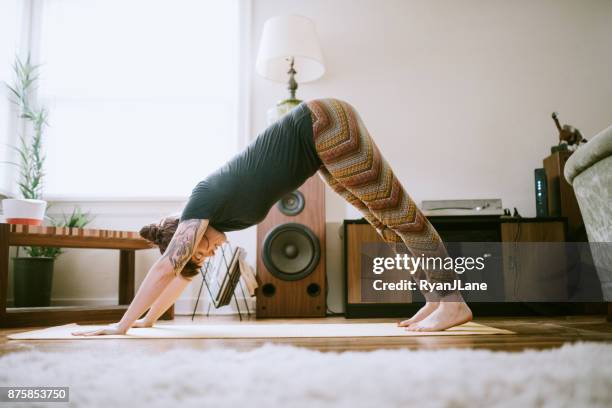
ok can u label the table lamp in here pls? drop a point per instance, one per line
(289, 51)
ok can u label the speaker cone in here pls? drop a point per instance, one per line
(291, 204)
(291, 251)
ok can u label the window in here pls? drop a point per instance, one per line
(143, 94)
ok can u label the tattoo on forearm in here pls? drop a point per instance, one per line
(183, 243)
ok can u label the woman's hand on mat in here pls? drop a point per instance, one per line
(107, 330)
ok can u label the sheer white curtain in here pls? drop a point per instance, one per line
(10, 37)
(143, 94)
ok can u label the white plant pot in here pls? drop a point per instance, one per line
(24, 211)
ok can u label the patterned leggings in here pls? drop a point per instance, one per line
(354, 168)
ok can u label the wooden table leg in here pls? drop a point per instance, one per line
(4, 267)
(168, 314)
(127, 265)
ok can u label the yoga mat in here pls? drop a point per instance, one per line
(254, 331)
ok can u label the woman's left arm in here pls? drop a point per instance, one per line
(186, 238)
(164, 301)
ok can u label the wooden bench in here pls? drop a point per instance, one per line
(127, 242)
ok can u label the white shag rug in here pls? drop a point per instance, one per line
(578, 375)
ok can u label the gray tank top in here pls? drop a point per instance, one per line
(240, 193)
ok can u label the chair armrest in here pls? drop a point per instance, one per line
(598, 148)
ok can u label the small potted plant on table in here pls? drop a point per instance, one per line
(33, 274)
(29, 209)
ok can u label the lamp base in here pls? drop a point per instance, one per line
(281, 108)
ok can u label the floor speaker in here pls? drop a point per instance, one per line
(291, 255)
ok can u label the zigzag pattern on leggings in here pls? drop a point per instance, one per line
(352, 158)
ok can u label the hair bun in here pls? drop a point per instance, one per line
(151, 233)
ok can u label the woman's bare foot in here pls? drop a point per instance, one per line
(446, 315)
(420, 315)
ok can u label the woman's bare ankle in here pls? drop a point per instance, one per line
(450, 297)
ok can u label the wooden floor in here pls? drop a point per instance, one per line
(532, 332)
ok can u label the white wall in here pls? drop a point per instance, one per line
(457, 95)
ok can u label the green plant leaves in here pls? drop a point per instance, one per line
(78, 219)
(31, 157)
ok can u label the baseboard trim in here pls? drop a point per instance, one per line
(183, 306)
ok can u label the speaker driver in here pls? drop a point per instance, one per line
(291, 204)
(291, 251)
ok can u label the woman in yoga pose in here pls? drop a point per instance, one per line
(324, 135)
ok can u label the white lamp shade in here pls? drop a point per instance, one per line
(289, 36)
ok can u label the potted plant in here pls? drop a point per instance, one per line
(30, 209)
(33, 274)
